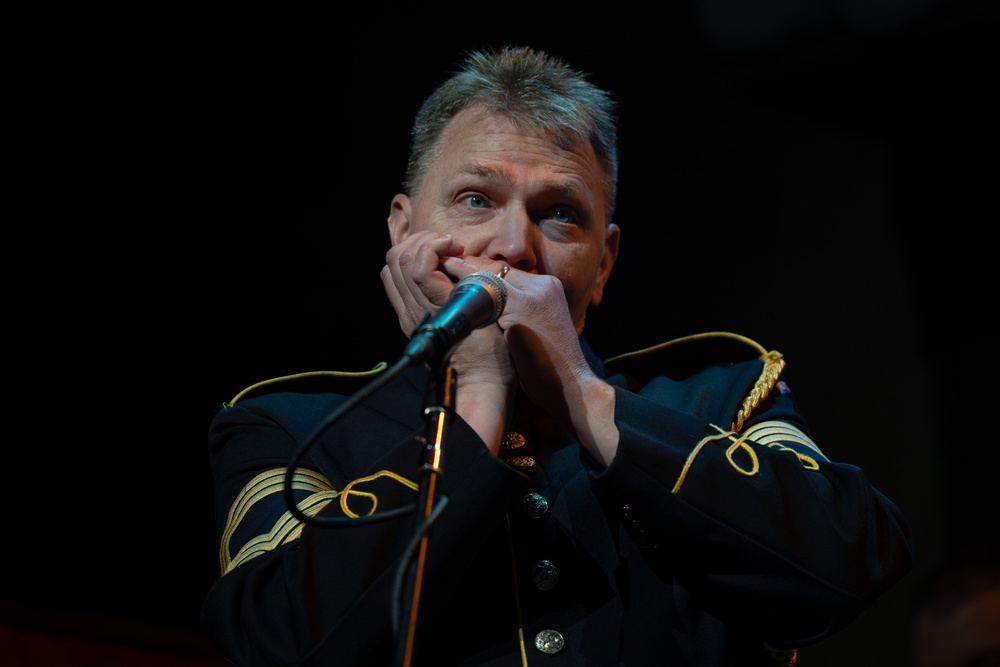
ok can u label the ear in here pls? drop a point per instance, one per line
(400, 214)
(611, 235)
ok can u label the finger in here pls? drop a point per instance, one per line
(460, 267)
(411, 259)
(412, 277)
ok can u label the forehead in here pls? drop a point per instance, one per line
(476, 139)
(479, 124)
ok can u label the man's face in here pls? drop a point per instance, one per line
(514, 196)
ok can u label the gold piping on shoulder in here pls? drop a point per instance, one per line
(676, 341)
(379, 367)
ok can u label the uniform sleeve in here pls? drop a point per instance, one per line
(769, 533)
(294, 594)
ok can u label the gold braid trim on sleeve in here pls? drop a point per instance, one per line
(287, 528)
(774, 363)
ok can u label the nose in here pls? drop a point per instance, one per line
(514, 240)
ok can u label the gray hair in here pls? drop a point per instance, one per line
(531, 88)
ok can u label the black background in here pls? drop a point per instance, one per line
(204, 205)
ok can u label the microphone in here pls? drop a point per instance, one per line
(476, 301)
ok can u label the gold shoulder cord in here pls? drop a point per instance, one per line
(774, 363)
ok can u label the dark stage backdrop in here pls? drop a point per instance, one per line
(820, 177)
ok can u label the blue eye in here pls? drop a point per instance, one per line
(475, 201)
(562, 216)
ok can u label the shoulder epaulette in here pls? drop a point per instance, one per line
(308, 381)
(689, 354)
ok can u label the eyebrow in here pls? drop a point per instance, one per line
(490, 172)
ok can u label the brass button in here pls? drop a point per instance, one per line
(545, 575)
(521, 461)
(549, 642)
(534, 505)
(512, 440)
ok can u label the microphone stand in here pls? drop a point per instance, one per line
(438, 410)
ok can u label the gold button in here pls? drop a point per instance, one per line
(521, 461)
(512, 440)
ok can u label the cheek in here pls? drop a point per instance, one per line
(577, 285)
(475, 238)
(426, 217)
(475, 242)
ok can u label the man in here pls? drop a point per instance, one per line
(664, 507)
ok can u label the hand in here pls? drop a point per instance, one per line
(553, 372)
(419, 276)
(543, 341)
(412, 277)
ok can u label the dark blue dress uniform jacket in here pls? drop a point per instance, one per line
(719, 535)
